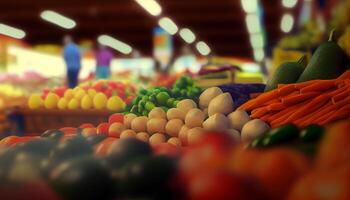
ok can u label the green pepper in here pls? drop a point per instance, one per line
(149, 106)
(162, 98)
(281, 135)
(311, 133)
(142, 92)
(145, 113)
(145, 98)
(136, 100)
(258, 141)
(134, 109)
(170, 102)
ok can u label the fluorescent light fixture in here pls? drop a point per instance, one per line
(287, 23)
(289, 3)
(203, 48)
(187, 35)
(114, 43)
(168, 25)
(250, 6)
(257, 41)
(12, 31)
(150, 6)
(259, 54)
(253, 23)
(58, 19)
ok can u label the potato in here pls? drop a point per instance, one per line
(173, 127)
(208, 95)
(156, 125)
(175, 113)
(216, 122)
(194, 135)
(194, 118)
(127, 133)
(238, 118)
(128, 118)
(253, 129)
(222, 103)
(157, 112)
(139, 124)
(157, 138)
(205, 111)
(175, 141)
(236, 136)
(183, 134)
(143, 136)
(186, 105)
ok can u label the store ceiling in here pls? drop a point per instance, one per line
(220, 23)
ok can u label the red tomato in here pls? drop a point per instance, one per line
(103, 128)
(166, 149)
(68, 130)
(220, 141)
(101, 149)
(86, 125)
(60, 91)
(116, 117)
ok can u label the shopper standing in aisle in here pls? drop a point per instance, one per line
(104, 57)
(72, 57)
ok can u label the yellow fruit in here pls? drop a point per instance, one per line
(79, 94)
(91, 93)
(51, 101)
(100, 100)
(62, 104)
(68, 94)
(35, 101)
(115, 103)
(77, 89)
(73, 104)
(86, 102)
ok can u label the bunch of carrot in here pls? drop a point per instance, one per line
(311, 102)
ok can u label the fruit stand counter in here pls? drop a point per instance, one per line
(37, 121)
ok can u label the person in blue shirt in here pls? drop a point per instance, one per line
(72, 57)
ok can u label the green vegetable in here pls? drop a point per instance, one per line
(142, 92)
(288, 72)
(134, 109)
(311, 133)
(328, 62)
(162, 98)
(149, 106)
(280, 135)
(175, 103)
(170, 102)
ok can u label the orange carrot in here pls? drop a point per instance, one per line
(297, 98)
(247, 105)
(341, 95)
(281, 85)
(310, 118)
(254, 95)
(263, 98)
(345, 75)
(276, 106)
(304, 84)
(287, 89)
(284, 112)
(259, 112)
(319, 86)
(341, 113)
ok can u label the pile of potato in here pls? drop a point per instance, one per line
(186, 123)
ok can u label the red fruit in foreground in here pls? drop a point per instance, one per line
(87, 125)
(103, 128)
(102, 148)
(220, 141)
(116, 117)
(166, 149)
(69, 130)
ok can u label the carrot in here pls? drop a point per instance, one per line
(287, 89)
(259, 112)
(276, 106)
(266, 117)
(280, 85)
(263, 98)
(309, 107)
(341, 113)
(304, 84)
(319, 86)
(247, 105)
(297, 98)
(310, 118)
(345, 75)
(341, 95)
(254, 95)
(284, 112)
(271, 102)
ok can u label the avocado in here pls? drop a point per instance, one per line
(288, 72)
(328, 62)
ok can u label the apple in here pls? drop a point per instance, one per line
(86, 125)
(103, 128)
(116, 118)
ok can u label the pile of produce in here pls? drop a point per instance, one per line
(146, 100)
(109, 95)
(63, 164)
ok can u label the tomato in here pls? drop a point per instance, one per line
(103, 128)
(116, 117)
(87, 125)
(68, 130)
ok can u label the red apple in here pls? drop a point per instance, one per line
(89, 132)
(116, 117)
(87, 125)
(103, 128)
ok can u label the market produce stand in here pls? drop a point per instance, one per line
(39, 120)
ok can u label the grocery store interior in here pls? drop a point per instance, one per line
(175, 99)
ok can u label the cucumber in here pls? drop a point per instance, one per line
(328, 62)
(288, 72)
(311, 133)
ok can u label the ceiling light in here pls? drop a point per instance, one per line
(250, 6)
(287, 23)
(114, 43)
(12, 31)
(203, 48)
(289, 3)
(58, 19)
(168, 25)
(150, 6)
(187, 35)
(257, 41)
(253, 23)
(259, 54)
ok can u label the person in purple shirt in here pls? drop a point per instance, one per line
(104, 57)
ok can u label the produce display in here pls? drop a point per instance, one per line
(110, 95)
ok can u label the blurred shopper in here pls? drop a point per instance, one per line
(104, 57)
(72, 57)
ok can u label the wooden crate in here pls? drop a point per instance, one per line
(40, 120)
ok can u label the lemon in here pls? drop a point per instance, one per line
(91, 93)
(62, 104)
(79, 94)
(86, 102)
(35, 101)
(68, 94)
(100, 100)
(77, 89)
(73, 104)
(115, 103)
(51, 101)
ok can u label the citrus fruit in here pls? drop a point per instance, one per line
(100, 100)
(35, 101)
(86, 102)
(51, 101)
